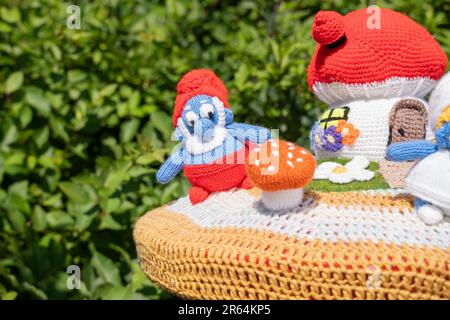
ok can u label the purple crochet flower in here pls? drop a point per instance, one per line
(328, 139)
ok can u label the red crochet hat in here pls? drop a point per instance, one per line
(195, 82)
(355, 60)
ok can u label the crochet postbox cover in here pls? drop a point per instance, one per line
(357, 233)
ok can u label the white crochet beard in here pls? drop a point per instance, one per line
(194, 145)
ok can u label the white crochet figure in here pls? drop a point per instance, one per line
(429, 179)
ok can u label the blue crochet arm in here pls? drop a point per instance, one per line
(171, 167)
(247, 132)
(410, 150)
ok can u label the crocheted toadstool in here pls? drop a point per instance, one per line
(281, 169)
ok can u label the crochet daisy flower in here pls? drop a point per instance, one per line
(356, 169)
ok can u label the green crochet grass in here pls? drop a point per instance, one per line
(376, 183)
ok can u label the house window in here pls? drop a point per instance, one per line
(332, 117)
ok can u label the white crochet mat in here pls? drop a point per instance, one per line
(316, 220)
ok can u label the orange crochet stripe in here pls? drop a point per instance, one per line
(238, 263)
(401, 202)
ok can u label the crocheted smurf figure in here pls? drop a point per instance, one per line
(213, 147)
(429, 179)
(373, 77)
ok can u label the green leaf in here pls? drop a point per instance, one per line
(11, 15)
(14, 82)
(10, 295)
(11, 134)
(128, 130)
(74, 76)
(36, 99)
(26, 116)
(137, 171)
(118, 292)
(39, 223)
(117, 175)
(17, 220)
(19, 188)
(105, 267)
(162, 122)
(76, 192)
(108, 90)
(83, 221)
(108, 223)
(110, 204)
(134, 100)
(56, 51)
(59, 219)
(41, 137)
(150, 157)
(57, 126)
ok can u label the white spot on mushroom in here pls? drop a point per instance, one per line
(270, 168)
(303, 152)
(290, 155)
(299, 160)
(291, 148)
(290, 163)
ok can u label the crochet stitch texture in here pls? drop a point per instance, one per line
(400, 58)
(330, 248)
(334, 245)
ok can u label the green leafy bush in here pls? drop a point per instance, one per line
(85, 120)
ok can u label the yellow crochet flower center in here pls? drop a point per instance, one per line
(444, 117)
(339, 170)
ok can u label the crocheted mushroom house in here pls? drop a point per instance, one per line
(373, 77)
(281, 169)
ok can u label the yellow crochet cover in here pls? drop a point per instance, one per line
(349, 245)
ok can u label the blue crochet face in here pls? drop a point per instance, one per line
(200, 114)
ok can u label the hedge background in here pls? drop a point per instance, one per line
(85, 120)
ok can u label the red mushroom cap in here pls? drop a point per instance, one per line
(399, 48)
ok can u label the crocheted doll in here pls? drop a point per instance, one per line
(213, 147)
(429, 180)
(373, 79)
